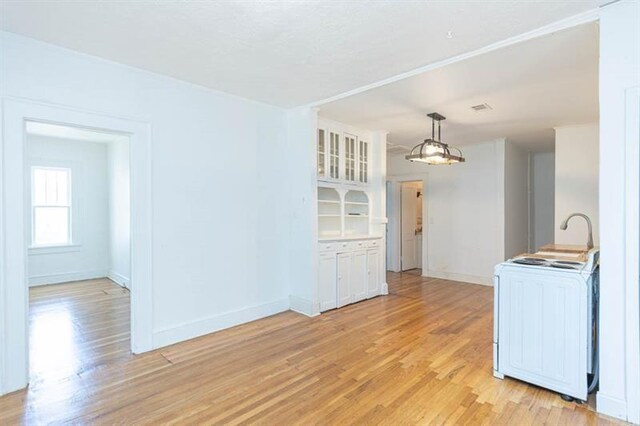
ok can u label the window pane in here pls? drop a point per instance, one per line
(51, 187)
(62, 178)
(39, 186)
(51, 225)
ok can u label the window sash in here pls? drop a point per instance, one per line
(57, 203)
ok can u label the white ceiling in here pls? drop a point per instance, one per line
(71, 133)
(284, 52)
(532, 87)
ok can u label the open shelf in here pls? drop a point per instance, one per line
(356, 213)
(329, 212)
(342, 212)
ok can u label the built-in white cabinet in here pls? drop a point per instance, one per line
(342, 157)
(327, 273)
(374, 285)
(348, 272)
(343, 279)
(342, 212)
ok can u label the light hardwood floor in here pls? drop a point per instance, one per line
(421, 355)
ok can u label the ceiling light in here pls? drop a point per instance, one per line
(433, 151)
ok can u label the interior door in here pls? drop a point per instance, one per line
(409, 223)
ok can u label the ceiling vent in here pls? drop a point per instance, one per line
(393, 149)
(481, 107)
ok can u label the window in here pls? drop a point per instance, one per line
(51, 206)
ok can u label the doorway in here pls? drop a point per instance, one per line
(411, 195)
(77, 204)
(15, 215)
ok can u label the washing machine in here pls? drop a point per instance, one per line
(546, 322)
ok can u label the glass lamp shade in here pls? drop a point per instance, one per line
(434, 153)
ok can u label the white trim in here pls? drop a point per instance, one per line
(169, 336)
(14, 236)
(611, 406)
(65, 277)
(563, 24)
(119, 279)
(462, 278)
(303, 306)
(54, 249)
(632, 253)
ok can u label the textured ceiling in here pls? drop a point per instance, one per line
(285, 53)
(532, 87)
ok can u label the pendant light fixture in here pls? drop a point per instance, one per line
(433, 151)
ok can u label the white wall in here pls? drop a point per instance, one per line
(619, 394)
(220, 209)
(119, 212)
(576, 186)
(542, 199)
(516, 209)
(88, 257)
(464, 219)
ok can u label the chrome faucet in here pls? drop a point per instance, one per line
(565, 222)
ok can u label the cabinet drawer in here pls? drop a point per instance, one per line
(328, 246)
(374, 243)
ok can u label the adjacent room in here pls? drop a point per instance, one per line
(78, 220)
(276, 212)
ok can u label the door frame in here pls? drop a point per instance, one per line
(394, 215)
(14, 287)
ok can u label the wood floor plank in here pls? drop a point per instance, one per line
(421, 355)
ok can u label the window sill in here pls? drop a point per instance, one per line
(65, 248)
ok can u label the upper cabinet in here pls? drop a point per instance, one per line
(342, 156)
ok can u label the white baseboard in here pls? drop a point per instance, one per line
(473, 279)
(385, 289)
(303, 306)
(219, 322)
(611, 406)
(46, 279)
(119, 279)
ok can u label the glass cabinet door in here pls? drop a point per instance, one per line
(350, 158)
(321, 154)
(334, 155)
(363, 162)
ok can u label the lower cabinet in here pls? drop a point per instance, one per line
(349, 274)
(343, 279)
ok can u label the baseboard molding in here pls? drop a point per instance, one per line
(303, 306)
(451, 276)
(385, 289)
(611, 406)
(209, 325)
(119, 279)
(46, 279)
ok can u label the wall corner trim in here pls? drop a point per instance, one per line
(463, 278)
(303, 306)
(191, 330)
(119, 279)
(611, 406)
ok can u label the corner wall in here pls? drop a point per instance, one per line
(516, 198)
(619, 393)
(119, 212)
(576, 186)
